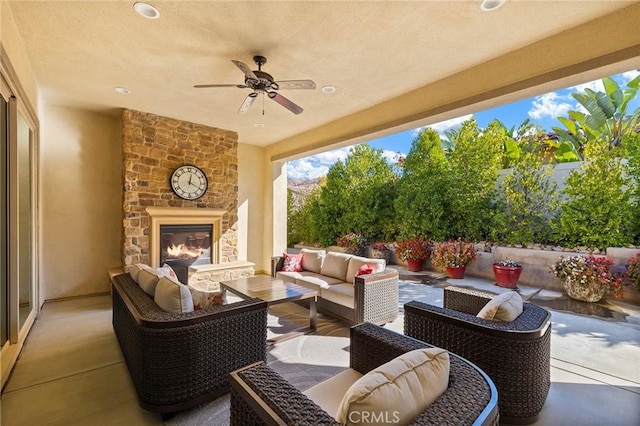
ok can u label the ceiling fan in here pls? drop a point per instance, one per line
(263, 83)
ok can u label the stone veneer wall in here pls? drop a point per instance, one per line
(152, 147)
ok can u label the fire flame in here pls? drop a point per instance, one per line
(182, 251)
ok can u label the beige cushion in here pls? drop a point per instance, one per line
(505, 308)
(356, 262)
(328, 393)
(134, 270)
(312, 259)
(148, 279)
(399, 390)
(342, 294)
(291, 277)
(171, 296)
(335, 265)
(318, 282)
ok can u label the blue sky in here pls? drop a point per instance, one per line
(542, 110)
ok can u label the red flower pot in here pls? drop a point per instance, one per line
(415, 265)
(507, 276)
(457, 272)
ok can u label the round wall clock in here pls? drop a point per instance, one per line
(189, 182)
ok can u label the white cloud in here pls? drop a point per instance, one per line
(305, 169)
(443, 126)
(595, 85)
(392, 156)
(629, 75)
(330, 157)
(548, 105)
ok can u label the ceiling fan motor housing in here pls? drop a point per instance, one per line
(264, 82)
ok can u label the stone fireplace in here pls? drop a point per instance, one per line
(152, 148)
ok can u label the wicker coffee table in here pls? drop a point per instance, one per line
(275, 291)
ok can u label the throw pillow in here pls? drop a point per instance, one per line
(356, 262)
(503, 308)
(365, 269)
(206, 299)
(292, 262)
(168, 271)
(171, 296)
(399, 390)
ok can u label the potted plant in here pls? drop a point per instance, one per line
(414, 251)
(353, 243)
(454, 256)
(507, 273)
(633, 271)
(587, 278)
(380, 251)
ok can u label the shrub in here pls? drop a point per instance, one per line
(633, 271)
(353, 242)
(413, 249)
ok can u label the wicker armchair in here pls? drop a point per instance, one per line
(516, 355)
(260, 396)
(178, 361)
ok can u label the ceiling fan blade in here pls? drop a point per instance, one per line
(296, 84)
(248, 101)
(201, 86)
(245, 69)
(285, 102)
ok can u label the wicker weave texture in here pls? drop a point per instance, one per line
(184, 363)
(515, 355)
(470, 394)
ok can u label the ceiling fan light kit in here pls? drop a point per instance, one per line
(262, 82)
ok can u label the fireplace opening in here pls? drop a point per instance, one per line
(182, 246)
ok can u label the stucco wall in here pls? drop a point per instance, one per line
(251, 208)
(81, 200)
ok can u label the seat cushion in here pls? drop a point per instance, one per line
(312, 259)
(328, 394)
(342, 294)
(399, 390)
(356, 262)
(317, 282)
(335, 265)
(171, 296)
(505, 307)
(291, 277)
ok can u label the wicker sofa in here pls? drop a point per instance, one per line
(261, 396)
(516, 354)
(178, 361)
(367, 298)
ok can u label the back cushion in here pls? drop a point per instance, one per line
(134, 270)
(335, 265)
(312, 260)
(503, 308)
(171, 296)
(148, 279)
(356, 262)
(400, 389)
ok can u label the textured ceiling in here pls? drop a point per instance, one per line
(370, 51)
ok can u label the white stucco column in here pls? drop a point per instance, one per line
(279, 207)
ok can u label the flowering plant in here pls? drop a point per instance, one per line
(352, 241)
(508, 264)
(453, 254)
(584, 271)
(379, 246)
(633, 271)
(413, 249)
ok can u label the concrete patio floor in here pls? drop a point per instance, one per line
(72, 370)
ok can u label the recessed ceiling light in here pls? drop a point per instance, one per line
(258, 125)
(122, 90)
(489, 5)
(146, 10)
(328, 89)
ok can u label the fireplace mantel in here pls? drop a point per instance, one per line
(183, 216)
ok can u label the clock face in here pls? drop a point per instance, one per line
(189, 182)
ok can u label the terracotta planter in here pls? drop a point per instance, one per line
(456, 273)
(507, 276)
(415, 265)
